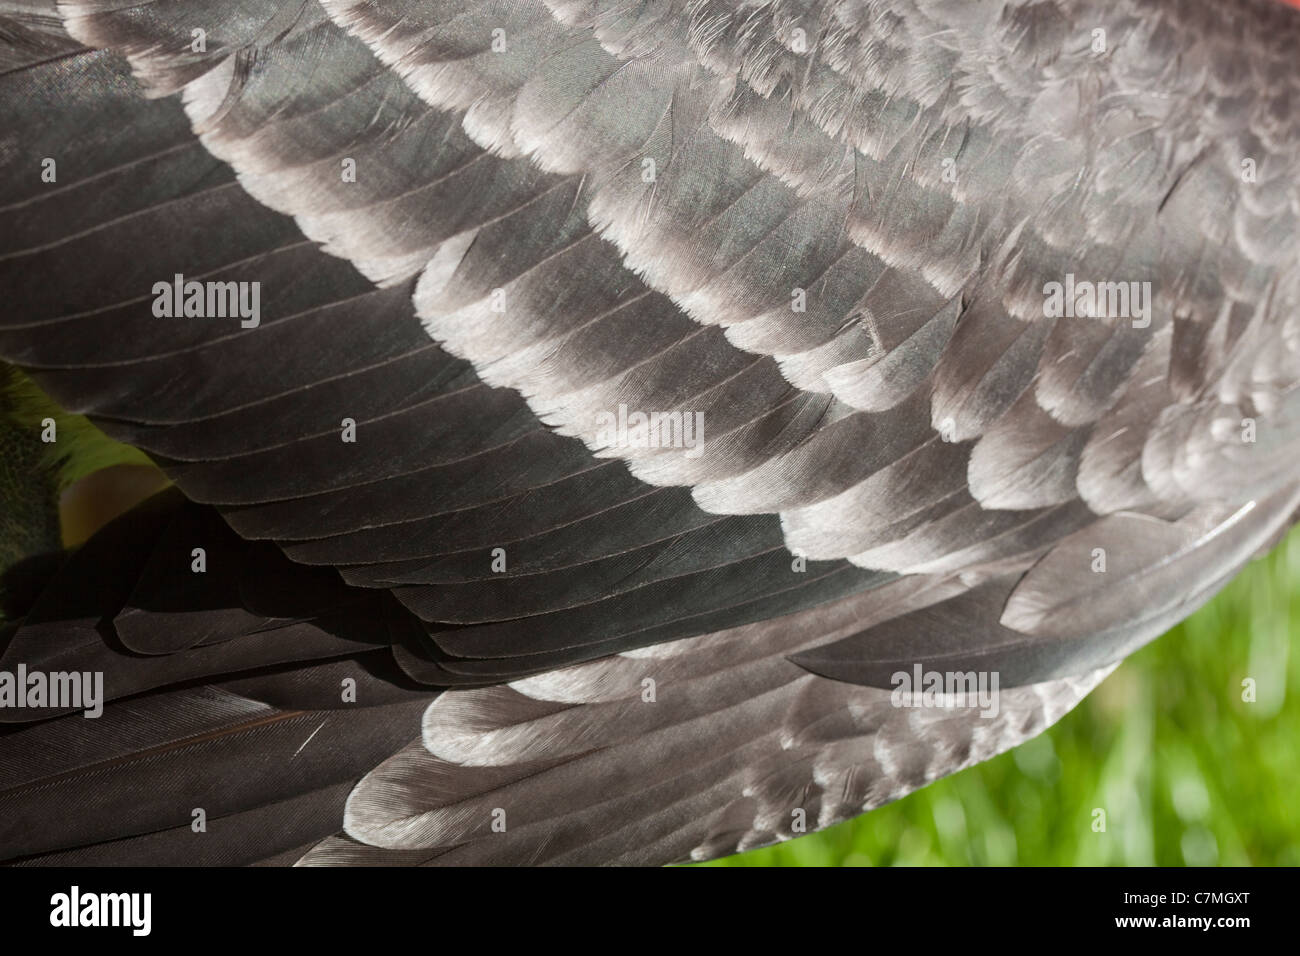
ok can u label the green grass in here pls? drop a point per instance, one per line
(80, 448)
(1185, 770)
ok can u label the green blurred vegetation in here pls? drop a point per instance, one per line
(1187, 772)
(81, 448)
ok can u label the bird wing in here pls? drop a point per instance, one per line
(484, 233)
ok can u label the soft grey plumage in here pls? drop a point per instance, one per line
(829, 226)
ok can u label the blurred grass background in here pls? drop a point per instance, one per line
(1187, 772)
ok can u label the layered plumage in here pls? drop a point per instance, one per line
(827, 228)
